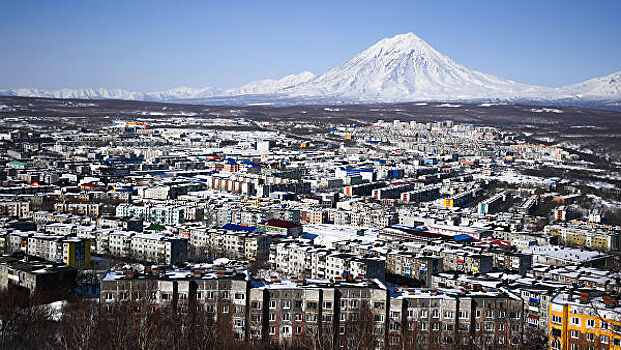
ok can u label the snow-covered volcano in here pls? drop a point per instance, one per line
(406, 68)
(403, 68)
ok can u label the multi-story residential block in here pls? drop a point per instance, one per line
(598, 237)
(414, 266)
(159, 214)
(232, 241)
(584, 321)
(491, 204)
(72, 251)
(48, 280)
(15, 209)
(423, 194)
(146, 247)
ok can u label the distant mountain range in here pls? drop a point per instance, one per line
(403, 68)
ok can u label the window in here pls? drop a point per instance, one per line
(225, 309)
(272, 304)
(448, 314)
(286, 304)
(574, 347)
(604, 325)
(423, 326)
(556, 345)
(435, 326)
(489, 314)
(590, 336)
(423, 313)
(272, 330)
(604, 339)
(575, 321)
(478, 314)
(342, 330)
(286, 330)
(272, 317)
(327, 305)
(590, 323)
(286, 317)
(557, 319)
(501, 327)
(298, 317)
(574, 334)
(298, 330)
(463, 314)
(240, 296)
(435, 313)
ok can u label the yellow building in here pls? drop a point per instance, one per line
(581, 321)
(77, 253)
(588, 236)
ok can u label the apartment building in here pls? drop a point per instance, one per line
(17, 209)
(414, 266)
(599, 237)
(491, 204)
(48, 279)
(305, 261)
(159, 214)
(72, 251)
(232, 241)
(584, 320)
(86, 209)
(393, 191)
(423, 194)
(456, 259)
(146, 247)
(283, 311)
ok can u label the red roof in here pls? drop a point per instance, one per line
(280, 223)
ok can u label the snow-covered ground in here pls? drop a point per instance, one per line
(328, 234)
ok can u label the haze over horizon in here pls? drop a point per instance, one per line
(149, 46)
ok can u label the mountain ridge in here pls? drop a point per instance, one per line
(403, 68)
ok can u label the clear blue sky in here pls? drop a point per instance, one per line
(151, 45)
